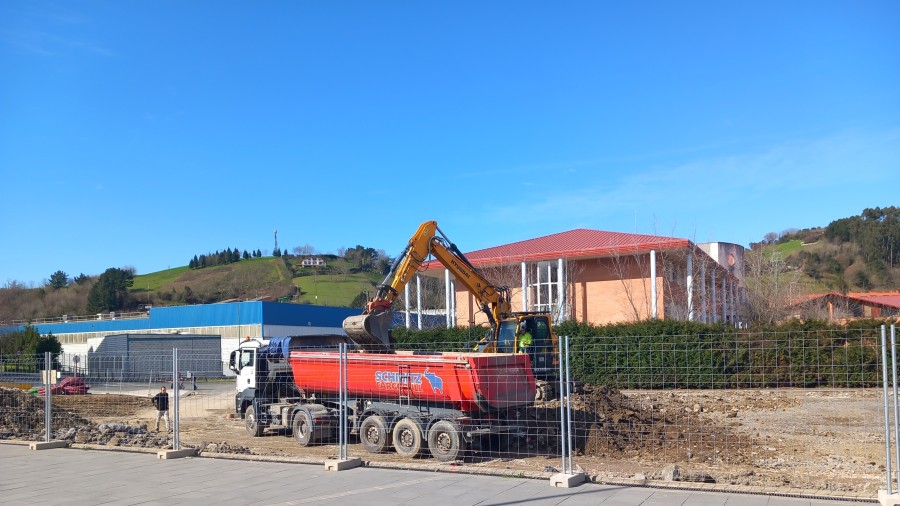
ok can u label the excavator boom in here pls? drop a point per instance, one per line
(371, 329)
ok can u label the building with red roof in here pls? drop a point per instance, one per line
(601, 277)
(841, 307)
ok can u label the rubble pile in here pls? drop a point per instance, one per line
(22, 417)
(223, 447)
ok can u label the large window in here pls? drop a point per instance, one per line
(545, 287)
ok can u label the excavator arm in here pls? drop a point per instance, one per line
(371, 329)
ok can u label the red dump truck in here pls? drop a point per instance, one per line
(447, 402)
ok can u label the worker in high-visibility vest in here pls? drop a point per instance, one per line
(524, 338)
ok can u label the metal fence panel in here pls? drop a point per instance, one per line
(799, 411)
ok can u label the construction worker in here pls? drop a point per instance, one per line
(161, 401)
(524, 337)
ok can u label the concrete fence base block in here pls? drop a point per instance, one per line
(564, 480)
(341, 465)
(176, 454)
(888, 499)
(46, 446)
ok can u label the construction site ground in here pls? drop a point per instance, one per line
(816, 442)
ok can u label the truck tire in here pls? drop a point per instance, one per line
(251, 422)
(374, 435)
(444, 441)
(407, 438)
(303, 425)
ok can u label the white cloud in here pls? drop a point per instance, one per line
(797, 177)
(47, 44)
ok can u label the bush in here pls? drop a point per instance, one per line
(677, 354)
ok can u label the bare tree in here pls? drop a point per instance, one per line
(622, 267)
(772, 286)
(305, 250)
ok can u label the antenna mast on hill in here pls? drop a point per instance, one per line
(276, 241)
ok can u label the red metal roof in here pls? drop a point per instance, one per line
(884, 298)
(888, 299)
(578, 243)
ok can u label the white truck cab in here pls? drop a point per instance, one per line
(243, 362)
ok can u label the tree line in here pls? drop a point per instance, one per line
(228, 256)
(24, 349)
(876, 230)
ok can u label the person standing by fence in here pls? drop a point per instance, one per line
(161, 401)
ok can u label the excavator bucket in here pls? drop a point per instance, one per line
(371, 331)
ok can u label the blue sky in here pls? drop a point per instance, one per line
(141, 133)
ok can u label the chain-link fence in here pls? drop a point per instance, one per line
(799, 412)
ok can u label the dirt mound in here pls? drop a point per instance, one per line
(22, 417)
(103, 405)
(607, 423)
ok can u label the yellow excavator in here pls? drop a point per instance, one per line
(508, 329)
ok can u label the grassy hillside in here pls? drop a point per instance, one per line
(789, 247)
(267, 278)
(332, 289)
(825, 265)
(156, 280)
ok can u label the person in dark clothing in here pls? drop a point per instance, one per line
(161, 401)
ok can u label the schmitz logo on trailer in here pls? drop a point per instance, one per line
(390, 380)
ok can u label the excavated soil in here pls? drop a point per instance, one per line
(87, 419)
(824, 441)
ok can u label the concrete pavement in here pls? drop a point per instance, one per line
(72, 476)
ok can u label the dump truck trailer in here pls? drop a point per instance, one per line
(407, 401)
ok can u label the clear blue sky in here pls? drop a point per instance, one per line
(141, 133)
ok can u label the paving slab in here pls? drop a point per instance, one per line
(78, 476)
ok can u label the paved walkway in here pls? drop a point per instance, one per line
(71, 476)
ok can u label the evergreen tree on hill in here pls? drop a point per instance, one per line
(111, 291)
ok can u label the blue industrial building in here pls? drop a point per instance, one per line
(82, 337)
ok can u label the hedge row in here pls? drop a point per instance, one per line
(673, 354)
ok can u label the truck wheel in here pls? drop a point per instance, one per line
(373, 434)
(251, 422)
(444, 441)
(303, 427)
(407, 438)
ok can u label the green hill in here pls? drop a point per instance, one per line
(861, 253)
(337, 283)
(340, 282)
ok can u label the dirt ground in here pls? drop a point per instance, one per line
(827, 441)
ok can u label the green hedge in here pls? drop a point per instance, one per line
(675, 354)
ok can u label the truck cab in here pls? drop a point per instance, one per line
(266, 394)
(243, 362)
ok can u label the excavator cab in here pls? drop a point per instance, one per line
(506, 338)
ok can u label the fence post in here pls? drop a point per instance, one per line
(176, 444)
(896, 406)
(569, 426)
(567, 477)
(562, 410)
(341, 401)
(343, 461)
(48, 403)
(887, 416)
